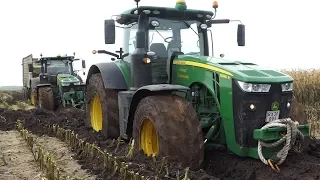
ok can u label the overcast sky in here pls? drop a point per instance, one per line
(279, 34)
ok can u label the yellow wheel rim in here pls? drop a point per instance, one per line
(32, 97)
(149, 138)
(96, 113)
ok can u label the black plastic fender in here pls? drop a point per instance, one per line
(111, 74)
(42, 85)
(34, 82)
(149, 90)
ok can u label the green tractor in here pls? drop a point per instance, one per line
(164, 90)
(57, 83)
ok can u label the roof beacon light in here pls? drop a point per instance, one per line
(181, 5)
(74, 53)
(40, 54)
(215, 4)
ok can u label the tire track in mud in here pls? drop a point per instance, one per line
(17, 161)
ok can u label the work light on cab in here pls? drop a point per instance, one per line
(203, 26)
(155, 23)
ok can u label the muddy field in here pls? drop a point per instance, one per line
(217, 165)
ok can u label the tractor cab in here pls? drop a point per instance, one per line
(166, 38)
(54, 67)
(159, 34)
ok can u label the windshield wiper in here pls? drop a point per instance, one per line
(189, 26)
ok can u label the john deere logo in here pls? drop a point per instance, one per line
(275, 106)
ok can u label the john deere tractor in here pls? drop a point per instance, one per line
(57, 83)
(164, 90)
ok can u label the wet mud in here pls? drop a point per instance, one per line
(217, 164)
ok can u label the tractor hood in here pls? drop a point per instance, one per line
(243, 71)
(67, 79)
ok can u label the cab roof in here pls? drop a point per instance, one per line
(56, 58)
(166, 13)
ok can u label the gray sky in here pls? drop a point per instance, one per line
(279, 34)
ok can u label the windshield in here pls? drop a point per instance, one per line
(58, 67)
(169, 36)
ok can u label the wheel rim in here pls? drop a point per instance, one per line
(148, 138)
(96, 113)
(32, 97)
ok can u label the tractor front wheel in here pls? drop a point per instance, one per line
(102, 113)
(46, 98)
(168, 125)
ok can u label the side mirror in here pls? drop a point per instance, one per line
(241, 35)
(83, 64)
(30, 67)
(109, 31)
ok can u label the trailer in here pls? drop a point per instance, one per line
(29, 76)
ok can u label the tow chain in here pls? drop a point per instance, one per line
(289, 139)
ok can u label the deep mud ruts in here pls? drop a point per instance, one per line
(36, 119)
(217, 163)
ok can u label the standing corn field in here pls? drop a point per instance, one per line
(307, 97)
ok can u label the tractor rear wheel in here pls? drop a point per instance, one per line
(168, 125)
(33, 97)
(46, 98)
(102, 112)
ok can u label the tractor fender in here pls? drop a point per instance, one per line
(34, 82)
(42, 85)
(149, 90)
(111, 74)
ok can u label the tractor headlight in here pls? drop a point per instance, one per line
(65, 84)
(76, 83)
(249, 87)
(287, 87)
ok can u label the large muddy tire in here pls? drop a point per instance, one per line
(102, 112)
(168, 125)
(46, 98)
(33, 97)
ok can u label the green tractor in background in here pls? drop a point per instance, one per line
(165, 91)
(57, 83)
